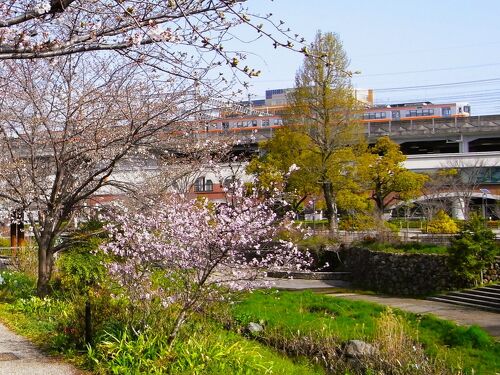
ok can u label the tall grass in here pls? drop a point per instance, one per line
(205, 348)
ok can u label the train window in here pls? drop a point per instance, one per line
(265, 122)
(278, 121)
(396, 115)
(225, 125)
(467, 108)
(254, 122)
(446, 111)
(420, 112)
(374, 115)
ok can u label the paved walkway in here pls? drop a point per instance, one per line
(19, 357)
(462, 315)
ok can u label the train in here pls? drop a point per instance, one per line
(415, 111)
(269, 117)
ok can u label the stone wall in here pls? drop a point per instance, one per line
(403, 274)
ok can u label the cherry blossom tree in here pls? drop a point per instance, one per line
(202, 249)
(67, 126)
(85, 84)
(183, 37)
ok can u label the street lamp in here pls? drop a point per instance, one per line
(485, 201)
(314, 215)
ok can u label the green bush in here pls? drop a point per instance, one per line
(472, 250)
(82, 266)
(357, 222)
(4, 242)
(14, 285)
(81, 276)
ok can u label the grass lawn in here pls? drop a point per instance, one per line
(407, 248)
(468, 349)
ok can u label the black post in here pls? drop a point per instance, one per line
(88, 321)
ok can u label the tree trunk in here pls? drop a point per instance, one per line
(177, 326)
(331, 211)
(45, 260)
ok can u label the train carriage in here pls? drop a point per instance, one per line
(382, 113)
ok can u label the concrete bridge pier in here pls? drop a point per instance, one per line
(458, 208)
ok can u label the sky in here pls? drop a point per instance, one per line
(441, 51)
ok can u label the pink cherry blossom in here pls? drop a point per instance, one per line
(204, 248)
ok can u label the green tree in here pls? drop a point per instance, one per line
(386, 177)
(285, 165)
(322, 109)
(472, 250)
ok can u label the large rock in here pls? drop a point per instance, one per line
(254, 327)
(358, 348)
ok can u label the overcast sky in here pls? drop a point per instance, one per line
(440, 50)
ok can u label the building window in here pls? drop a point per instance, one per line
(202, 185)
(199, 184)
(209, 186)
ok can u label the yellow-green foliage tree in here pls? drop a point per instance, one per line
(285, 166)
(322, 110)
(386, 177)
(442, 223)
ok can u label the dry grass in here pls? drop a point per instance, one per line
(399, 353)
